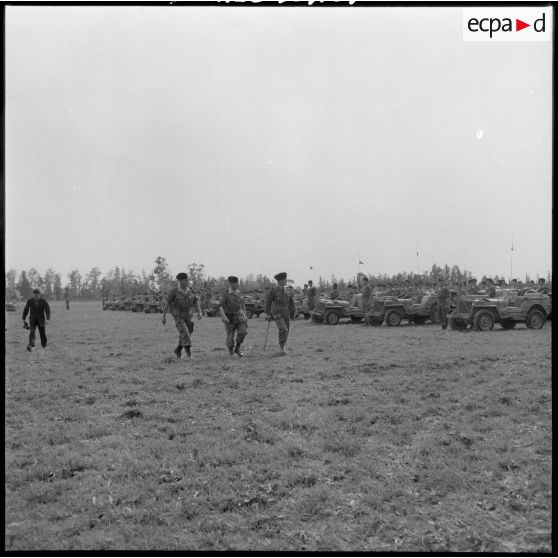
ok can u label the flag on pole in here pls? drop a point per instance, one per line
(311, 267)
(360, 263)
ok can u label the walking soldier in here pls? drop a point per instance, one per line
(233, 312)
(279, 306)
(180, 302)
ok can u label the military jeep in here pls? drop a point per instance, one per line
(9, 307)
(331, 311)
(508, 310)
(152, 306)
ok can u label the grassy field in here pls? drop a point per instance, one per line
(360, 439)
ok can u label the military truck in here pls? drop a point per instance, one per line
(508, 310)
(332, 311)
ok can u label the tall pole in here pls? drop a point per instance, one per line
(358, 272)
(418, 268)
(511, 261)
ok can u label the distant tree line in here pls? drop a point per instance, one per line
(122, 282)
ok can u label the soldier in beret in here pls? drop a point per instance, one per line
(279, 306)
(233, 313)
(180, 302)
(366, 303)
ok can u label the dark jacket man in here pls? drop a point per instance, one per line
(39, 316)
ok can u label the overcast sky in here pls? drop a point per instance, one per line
(258, 140)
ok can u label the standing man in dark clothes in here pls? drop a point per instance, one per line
(67, 298)
(279, 306)
(233, 312)
(311, 296)
(39, 317)
(180, 302)
(443, 303)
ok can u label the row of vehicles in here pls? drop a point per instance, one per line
(475, 311)
(149, 306)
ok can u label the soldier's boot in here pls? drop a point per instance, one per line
(231, 351)
(188, 353)
(29, 348)
(178, 351)
(238, 351)
(282, 349)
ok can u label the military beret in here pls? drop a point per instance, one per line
(232, 279)
(182, 276)
(37, 291)
(280, 276)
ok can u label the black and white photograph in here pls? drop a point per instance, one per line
(278, 277)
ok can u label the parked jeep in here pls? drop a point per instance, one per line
(137, 305)
(482, 313)
(331, 311)
(152, 306)
(393, 310)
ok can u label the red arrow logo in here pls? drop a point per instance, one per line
(519, 25)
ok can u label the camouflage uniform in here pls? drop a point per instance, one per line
(233, 305)
(279, 305)
(366, 297)
(311, 297)
(180, 304)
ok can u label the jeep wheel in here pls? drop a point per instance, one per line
(306, 316)
(507, 324)
(419, 320)
(393, 318)
(332, 318)
(153, 310)
(249, 314)
(434, 315)
(483, 321)
(535, 319)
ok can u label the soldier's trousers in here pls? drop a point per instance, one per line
(185, 328)
(42, 333)
(443, 312)
(241, 331)
(282, 317)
